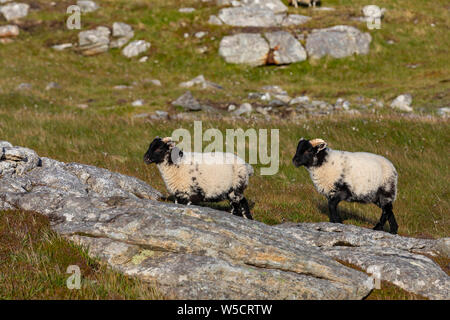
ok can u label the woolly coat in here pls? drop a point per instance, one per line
(367, 177)
(206, 176)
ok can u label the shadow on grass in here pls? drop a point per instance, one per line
(346, 214)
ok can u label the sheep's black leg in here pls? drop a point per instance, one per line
(384, 217)
(393, 226)
(332, 206)
(245, 209)
(236, 209)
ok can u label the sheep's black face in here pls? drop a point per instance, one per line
(308, 154)
(304, 156)
(156, 152)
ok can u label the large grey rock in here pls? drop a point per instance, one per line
(13, 11)
(250, 17)
(338, 42)
(92, 42)
(135, 48)
(188, 252)
(187, 102)
(9, 31)
(200, 253)
(393, 258)
(245, 48)
(286, 49)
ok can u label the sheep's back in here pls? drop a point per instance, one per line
(367, 172)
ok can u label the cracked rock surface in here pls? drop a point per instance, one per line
(201, 253)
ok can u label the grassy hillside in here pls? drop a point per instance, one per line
(106, 134)
(417, 62)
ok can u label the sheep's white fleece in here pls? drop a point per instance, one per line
(218, 175)
(363, 172)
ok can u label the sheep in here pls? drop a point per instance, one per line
(201, 177)
(350, 176)
(308, 3)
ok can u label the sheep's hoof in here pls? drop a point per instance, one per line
(378, 227)
(394, 231)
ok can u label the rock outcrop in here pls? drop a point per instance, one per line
(201, 253)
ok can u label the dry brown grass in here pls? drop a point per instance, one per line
(34, 259)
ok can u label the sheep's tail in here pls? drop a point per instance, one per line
(249, 169)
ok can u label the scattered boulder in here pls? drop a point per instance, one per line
(9, 31)
(200, 81)
(338, 42)
(96, 41)
(135, 48)
(87, 6)
(244, 48)
(285, 49)
(122, 33)
(402, 103)
(14, 11)
(187, 102)
(245, 108)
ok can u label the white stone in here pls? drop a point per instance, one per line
(138, 103)
(87, 6)
(186, 10)
(13, 11)
(135, 48)
(402, 103)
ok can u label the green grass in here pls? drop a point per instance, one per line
(416, 147)
(383, 73)
(106, 134)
